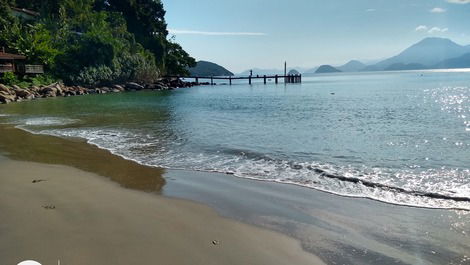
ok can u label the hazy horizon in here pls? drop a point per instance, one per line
(306, 33)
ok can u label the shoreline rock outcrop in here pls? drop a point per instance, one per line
(14, 93)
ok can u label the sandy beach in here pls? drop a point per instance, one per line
(80, 218)
(87, 206)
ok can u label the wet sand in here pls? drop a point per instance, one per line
(339, 230)
(114, 221)
(80, 218)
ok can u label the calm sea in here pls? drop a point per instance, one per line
(401, 137)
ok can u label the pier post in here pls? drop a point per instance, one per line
(230, 80)
(265, 79)
(300, 78)
(197, 80)
(212, 80)
(276, 78)
(249, 79)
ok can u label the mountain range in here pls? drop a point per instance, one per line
(429, 53)
(425, 54)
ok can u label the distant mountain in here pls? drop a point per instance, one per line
(326, 69)
(427, 52)
(204, 68)
(293, 72)
(311, 71)
(261, 72)
(403, 67)
(458, 62)
(352, 66)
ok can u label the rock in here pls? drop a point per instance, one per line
(49, 90)
(100, 91)
(132, 85)
(22, 93)
(151, 86)
(38, 180)
(15, 87)
(119, 87)
(70, 93)
(59, 91)
(5, 89)
(116, 90)
(34, 89)
(6, 98)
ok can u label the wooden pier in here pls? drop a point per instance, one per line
(287, 78)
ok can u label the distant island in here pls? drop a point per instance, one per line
(293, 72)
(324, 69)
(352, 66)
(204, 68)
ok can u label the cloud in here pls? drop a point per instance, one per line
(421, 28)
(214, 33)
(437, 10)
(433, 30)
(437, 30)
(371, 10)
(459, 1)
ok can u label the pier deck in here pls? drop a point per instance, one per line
(287, 78)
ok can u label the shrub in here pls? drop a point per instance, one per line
(139, 67)
(95, 76)
(9, 79)
(40, 80)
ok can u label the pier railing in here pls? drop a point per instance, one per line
(6, 68)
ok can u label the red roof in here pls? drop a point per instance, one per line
(10, 56)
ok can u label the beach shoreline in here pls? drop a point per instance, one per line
(333, 228)
(52, 213)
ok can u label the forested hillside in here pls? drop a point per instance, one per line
(94, 42)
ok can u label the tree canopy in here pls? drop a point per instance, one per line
(95, 42)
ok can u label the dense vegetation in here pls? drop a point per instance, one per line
(94, 42)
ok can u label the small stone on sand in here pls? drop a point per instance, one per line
(38, 180)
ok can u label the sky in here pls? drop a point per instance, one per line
(245, 34)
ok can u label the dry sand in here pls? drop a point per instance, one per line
(92, 220)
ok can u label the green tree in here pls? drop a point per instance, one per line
(95, 42)
(33, 41)
(177, 60)
(146, 20)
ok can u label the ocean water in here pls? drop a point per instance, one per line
(397, 137)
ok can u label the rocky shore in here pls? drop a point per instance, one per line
(14, 93)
